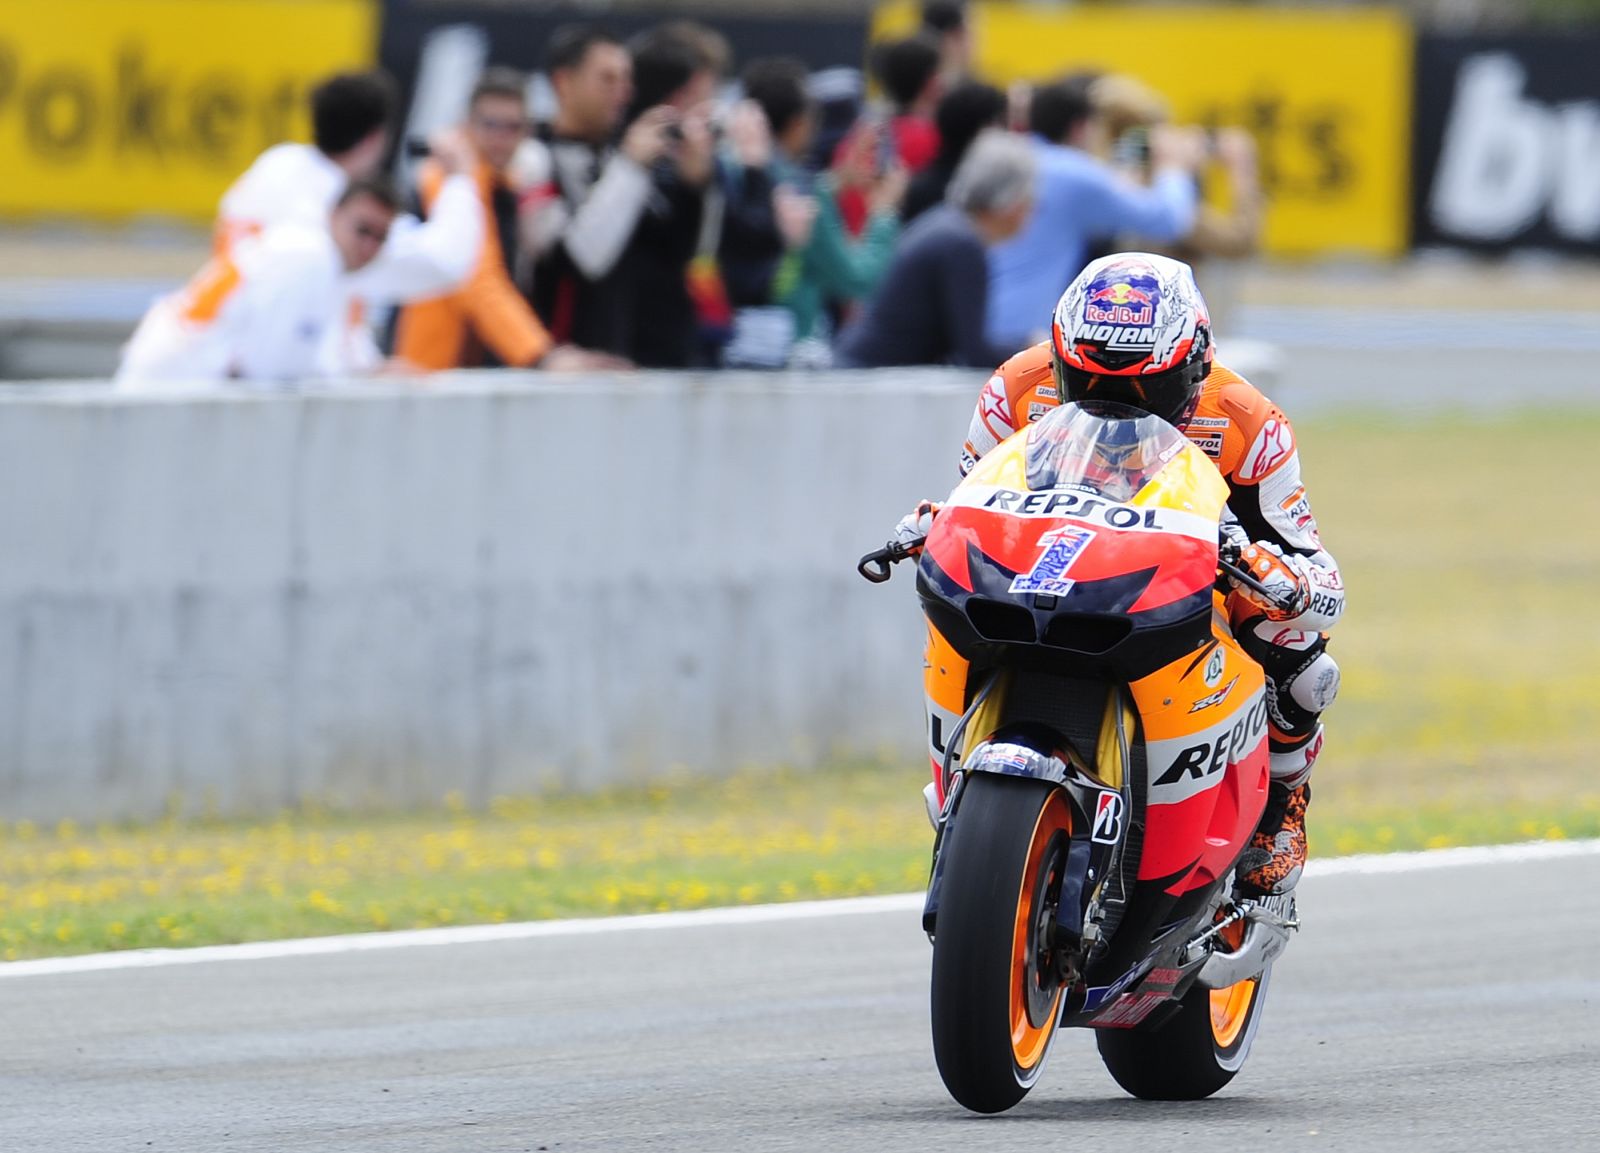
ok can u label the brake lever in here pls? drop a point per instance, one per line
(1244, 577)
(875, 566)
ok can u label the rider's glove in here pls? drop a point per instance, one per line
(1234, 540)
(1286, 576)
(914, 527)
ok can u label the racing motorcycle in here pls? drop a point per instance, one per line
(1099, 742)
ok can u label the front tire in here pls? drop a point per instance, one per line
(997, 992)
(1194, 1052)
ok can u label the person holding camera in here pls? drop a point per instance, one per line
(611, 225)
(1079, 198)
(487, 323)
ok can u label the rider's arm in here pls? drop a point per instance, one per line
(1020, 391)
(992, 422)
(1269, 498)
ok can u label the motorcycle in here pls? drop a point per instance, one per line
(1099, 750)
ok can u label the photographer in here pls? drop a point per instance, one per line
(612, 228)
(1079, 197)
(487, 322)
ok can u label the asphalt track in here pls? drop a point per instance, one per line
(1453, 1005)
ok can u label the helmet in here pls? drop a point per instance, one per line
(1133, 329)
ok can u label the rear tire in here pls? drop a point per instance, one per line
(996, 994)
(1193, 1053)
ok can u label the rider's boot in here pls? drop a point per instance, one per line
(1277, 852)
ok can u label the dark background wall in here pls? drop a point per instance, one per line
(1506, 148)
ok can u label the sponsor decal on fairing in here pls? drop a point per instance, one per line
(1183, 767)
(1074, 504)
(1061, 547)
(1108, 819)
(1214, 699)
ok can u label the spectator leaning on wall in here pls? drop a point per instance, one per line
(487, 322)
(930, 307)
(767, 219)
(351, 116)
(835, 268)
(261, 310)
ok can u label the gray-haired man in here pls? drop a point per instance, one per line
(930, 307)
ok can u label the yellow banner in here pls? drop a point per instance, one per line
(115, 108)
(1326, 93)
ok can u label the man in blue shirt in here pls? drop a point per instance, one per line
(1079, 199)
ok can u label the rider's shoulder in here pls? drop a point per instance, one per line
(1227, 394)
(1255, 436)
(1027, 365)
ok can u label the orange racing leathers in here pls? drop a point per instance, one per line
(1250, 441)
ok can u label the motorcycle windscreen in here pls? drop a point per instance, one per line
(1108, 449)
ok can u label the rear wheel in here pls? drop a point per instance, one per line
(1194, 1052)
(996, 983)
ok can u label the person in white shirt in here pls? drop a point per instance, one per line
(262, 311)
(352, 114)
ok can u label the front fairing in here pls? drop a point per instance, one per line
(1089, 537)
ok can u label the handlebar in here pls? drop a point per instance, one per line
(1228, 562)
(875, 566)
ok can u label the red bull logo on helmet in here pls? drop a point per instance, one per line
(1119, 309)
(1120, 304)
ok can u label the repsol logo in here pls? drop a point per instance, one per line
(127, 107)
(1074, 504)
(1326, 604)
(1208, 758)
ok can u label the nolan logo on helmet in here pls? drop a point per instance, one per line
(1118, 338)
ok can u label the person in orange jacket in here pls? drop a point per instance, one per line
(487, 321)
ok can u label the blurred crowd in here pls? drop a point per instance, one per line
(674, 212)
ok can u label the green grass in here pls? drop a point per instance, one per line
(1467, 716)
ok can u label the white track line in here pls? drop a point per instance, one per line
(1376, 863)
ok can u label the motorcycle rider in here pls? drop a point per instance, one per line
(1133, 329)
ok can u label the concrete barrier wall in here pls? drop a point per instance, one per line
(375, 595)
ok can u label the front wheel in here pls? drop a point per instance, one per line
(996, 979)
(1194, 1052)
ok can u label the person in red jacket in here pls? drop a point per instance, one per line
(1133, 329)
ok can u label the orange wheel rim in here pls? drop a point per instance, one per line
(1029, 1040)
(1230, 1009)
